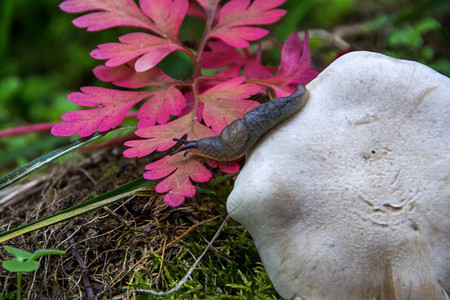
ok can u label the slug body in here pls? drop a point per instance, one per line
(237, 138)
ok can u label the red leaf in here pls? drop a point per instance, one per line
(153, 49)
(196, 11)
(295, 67)
(166, 14)
(109, 13)
(126, 76)
(236, 15)
(165, 102)
(222, 54)
(254, 69)
(158, 137)
(225, 166)
(181, 170)
(225, 102)
(114, 105)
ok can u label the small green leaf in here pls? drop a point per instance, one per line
(222, 178)
(20, 266)
(42, 252)
(18, 253)
(427, 24)
(238, 286)
(244, 279)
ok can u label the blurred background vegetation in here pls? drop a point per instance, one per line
(43, 57)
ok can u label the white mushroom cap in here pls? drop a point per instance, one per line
(350, 198)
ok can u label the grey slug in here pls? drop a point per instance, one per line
(236, 139)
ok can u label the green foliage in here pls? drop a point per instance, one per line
(419, 32)
(411, 35)
(408, 40)
(25, 261)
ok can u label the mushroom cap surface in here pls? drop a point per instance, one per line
(350, 198)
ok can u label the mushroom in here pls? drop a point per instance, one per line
(350, 197)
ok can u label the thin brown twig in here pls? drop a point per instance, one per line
(189, 230)
(162, 260)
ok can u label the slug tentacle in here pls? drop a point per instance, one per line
(237, 138)
(187, 145)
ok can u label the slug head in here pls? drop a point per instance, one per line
(187, 145)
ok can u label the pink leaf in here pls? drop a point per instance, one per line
(225, 166)
(109, 13)
(158, 137)
(153, 49)
(180, 169)
(239, 36)
(196, 11)
(113, 104)
(165, 102)
(229, 166)
(126, 76)
(226, 102)
(295, 67)
(236, 16)
(254, 69)
(166, 14)
(230, 72)
(220, 55)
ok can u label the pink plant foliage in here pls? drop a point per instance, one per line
(199, 107)
(225, 102)
(149, 48)
(236, 16)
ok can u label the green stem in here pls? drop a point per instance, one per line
(19, 285)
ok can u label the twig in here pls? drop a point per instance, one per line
(185, 278)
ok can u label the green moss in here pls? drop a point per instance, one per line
(230, 270)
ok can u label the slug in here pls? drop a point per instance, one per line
(237, 138)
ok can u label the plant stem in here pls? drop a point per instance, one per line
(195, 92)
(19, 285)
(24, 129)
(209, 22)
(27, 129)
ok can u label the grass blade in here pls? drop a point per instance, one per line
(126, 190)
(45, 159)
